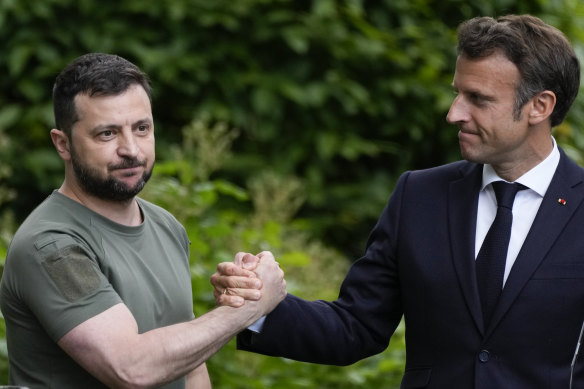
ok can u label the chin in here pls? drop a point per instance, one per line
(470, 156)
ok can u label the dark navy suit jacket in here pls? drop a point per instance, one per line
(419, 263)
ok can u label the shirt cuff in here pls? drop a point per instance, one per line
(258, 325)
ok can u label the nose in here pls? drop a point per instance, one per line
(457, 112)
(128, 145)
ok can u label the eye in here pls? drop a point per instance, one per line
(106, 134)
(143, 129)
(478, 99)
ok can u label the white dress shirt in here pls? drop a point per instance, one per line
(525, 207)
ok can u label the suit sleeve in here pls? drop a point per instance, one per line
(356, 325)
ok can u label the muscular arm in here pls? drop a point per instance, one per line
(110, 347)
(199, 378)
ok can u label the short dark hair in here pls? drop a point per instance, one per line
(542, 53)
(94, 74)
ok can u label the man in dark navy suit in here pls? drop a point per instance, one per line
(467, 325)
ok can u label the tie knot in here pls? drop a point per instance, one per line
(505, 193)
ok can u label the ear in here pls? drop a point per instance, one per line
(542, 106)
(61, 143)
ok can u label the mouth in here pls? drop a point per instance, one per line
(465, 132)
(466, 137)
(128, 165)
(128, 169)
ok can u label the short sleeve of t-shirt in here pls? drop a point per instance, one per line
(60, 281)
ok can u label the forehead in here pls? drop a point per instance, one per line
(494, 74)
(126, 106)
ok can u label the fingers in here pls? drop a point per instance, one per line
(233, 285)
(238, 260)
(243, 265)
(227, 300)
(246, 260)
(235, 297)
(233, 282)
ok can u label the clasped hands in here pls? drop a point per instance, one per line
(249, 278)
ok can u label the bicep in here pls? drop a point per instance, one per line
(102, 342)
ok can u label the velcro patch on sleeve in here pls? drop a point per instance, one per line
(72, 272)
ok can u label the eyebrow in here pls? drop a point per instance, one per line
(474, 92)
(143, 121)
(112, 126)
(482, 95)
(104, 127)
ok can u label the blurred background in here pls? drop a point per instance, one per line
(281, 125)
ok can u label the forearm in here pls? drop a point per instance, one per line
(120, 357)
(171, 352)
(199, 378)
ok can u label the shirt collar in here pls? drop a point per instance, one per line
(537, 179)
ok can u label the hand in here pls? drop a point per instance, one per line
(234, 282)
(274, 284)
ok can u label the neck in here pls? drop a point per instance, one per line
(127, 213)
(536, 151)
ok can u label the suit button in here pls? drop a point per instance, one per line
(484, 356)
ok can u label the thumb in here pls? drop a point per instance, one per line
(249, 261)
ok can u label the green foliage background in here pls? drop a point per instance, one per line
(281, 125)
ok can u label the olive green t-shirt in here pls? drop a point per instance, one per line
(67, 264)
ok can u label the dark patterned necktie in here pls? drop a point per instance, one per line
(490, 262)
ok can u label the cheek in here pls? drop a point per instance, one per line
(149, 149)
(99, 157)
(491, 127)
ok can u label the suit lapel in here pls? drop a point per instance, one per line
(462, 211)
(548, 224)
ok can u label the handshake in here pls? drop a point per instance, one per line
(250, 279)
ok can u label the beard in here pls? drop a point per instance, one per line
(108, 188)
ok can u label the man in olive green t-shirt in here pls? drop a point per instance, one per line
(96, 288)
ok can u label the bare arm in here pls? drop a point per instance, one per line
(110, 347)
(199, 378)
